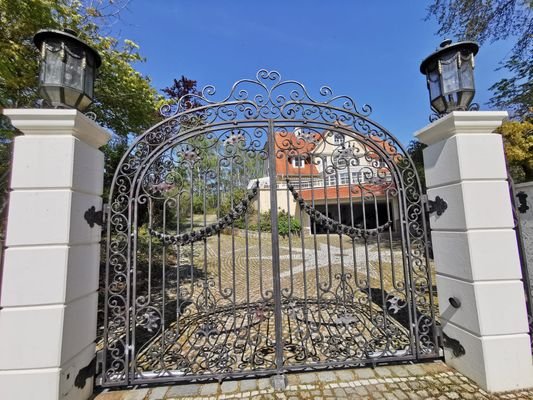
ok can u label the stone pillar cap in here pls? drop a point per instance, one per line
(46, 121)
(461, 122)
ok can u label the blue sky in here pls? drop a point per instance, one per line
(369, 50)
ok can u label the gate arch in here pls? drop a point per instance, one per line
(264, 233)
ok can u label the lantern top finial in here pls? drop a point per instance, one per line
(45, 34)
(446, 46)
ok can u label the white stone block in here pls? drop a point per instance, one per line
(83, 271)
(80, 231)
(41, 384)
(50, 217)
(496, 363)
(487, 308)
(34, 276)
(69, 373)
(459, 158)
(477, 255)
(42, 162)
(79, 329)
(38, 217)
(473, 205)
(30, 337)
(49, 275)
(60, 162)
(88, 169)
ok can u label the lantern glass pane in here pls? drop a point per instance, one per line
(52, 94)
(71, 97)
(89, 80)
(53, 67)
(73, 72)
(450, 76)
(467, 75)
(438, 104)
(84, 103)
(434, 84)
(465, 99)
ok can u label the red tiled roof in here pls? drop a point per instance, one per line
(343, 192)
(294, 145)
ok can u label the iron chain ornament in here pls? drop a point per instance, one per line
(263, 233)
(212, 229)
(332, 225)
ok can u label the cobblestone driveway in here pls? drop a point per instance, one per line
(399, 382)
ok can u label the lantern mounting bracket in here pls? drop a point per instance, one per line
(436, 116)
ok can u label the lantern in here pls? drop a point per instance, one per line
(68, 69)
(450, 76)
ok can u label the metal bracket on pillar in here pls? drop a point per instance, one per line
(522, 200)
(94, 217)
(437, 206)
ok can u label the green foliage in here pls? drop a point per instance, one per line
(518, 143)
(286, 226)
(415, 151)
(515, 93)
(490, 21)
(198, 204)
(124, 99)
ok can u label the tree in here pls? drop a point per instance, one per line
(125, 101)
(518, 144)
(415, 151)
(490, 21)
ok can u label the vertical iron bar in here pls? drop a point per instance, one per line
(526, 277)
(275, 246)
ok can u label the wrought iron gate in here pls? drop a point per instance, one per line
(264, 233)
(523, 220)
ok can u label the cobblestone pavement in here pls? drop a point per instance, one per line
(400, 382)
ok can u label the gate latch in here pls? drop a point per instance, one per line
(438, 205)
(94, 217)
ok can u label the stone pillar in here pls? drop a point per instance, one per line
(476, 253)
(50, 279)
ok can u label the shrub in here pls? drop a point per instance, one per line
(285, 227)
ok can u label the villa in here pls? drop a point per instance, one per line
(341, 177)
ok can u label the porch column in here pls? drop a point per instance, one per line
(49, 287)
(475, 250)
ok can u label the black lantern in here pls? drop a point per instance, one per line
(68, 69)
(450, 76)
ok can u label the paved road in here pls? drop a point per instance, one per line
(400, 382)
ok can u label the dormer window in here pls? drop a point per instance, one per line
(338, 138)
(298, 162)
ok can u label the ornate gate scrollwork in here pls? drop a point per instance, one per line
(260, 234)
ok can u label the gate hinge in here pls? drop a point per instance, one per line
(99, 361)
(94, 217)
(99, 366)
(454, 345)
(438, 205)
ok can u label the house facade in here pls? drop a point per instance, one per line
(343, 178)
